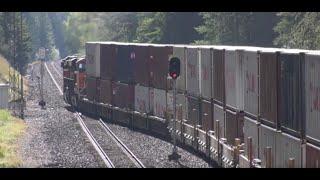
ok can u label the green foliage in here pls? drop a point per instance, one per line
(150, 29)
(14, 31)
(298, 30)
(79, 28)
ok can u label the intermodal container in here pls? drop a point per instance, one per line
(159, 66)
(193, 111)
(106, 91)
(290, 106)
(206, 73)
(251, 129)
(180, 100)
(234, 126)
(93, 59)
(108, 60)
(234, 79)
(207, 115)
(288, 147)
(251, 73)
(218, 76)
(267, 138)
(141, 65)
(159, 102)
(312, 156)
(123, 95)
(312, 96)
(92, 88)
(219, 114)
(193, 75)
(141, 99)
(179, 52)
(268, 65)
(125, 62)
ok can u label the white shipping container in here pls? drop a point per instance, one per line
(267, 138)
(141, 99)
(312, 96)
(93, 59)
(4, 96)
(206, 73)
(288, 147)
(251, 129)
(180, 100)
(219, 114)
(234, 87)
(179, 52)
(159, 102)
(193, 73)
(250, 64)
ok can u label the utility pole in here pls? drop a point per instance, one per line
(21, 69)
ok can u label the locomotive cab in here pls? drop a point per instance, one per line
(80, 75)
(69, 79)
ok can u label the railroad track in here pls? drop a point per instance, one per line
(107, 131)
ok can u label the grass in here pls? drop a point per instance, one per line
(4, 77)
(11, 129)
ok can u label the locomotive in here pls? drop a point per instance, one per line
(73, 79)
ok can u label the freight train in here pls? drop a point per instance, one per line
(228, 95)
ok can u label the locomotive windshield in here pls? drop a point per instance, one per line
(81, 67)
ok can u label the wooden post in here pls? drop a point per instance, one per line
(291, 163)
(267, 157)
(249, 149)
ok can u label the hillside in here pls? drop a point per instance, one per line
(4, 75)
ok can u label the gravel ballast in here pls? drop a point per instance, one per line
(53, 137)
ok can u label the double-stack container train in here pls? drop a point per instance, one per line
(265, 97)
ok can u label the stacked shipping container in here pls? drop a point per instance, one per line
(239, 86)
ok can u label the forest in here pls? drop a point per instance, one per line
(65, 33)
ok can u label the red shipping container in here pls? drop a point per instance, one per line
(92, 88)
(108, 61)
(141, 65)
(123, 95)
(207, 115)
(234, 126)
(106, 91)
(312, 156)
(159, 66)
